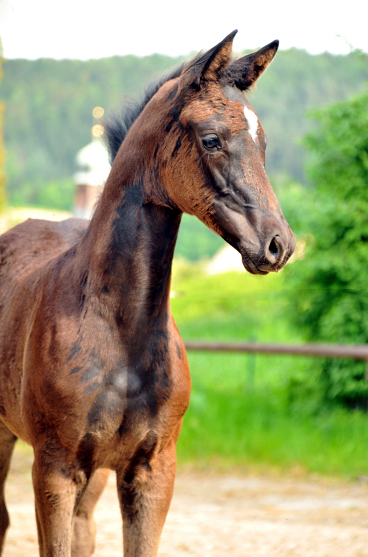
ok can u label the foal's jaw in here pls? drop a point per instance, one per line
(264, 240)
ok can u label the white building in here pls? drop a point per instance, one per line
(93, 169)
(226, 259)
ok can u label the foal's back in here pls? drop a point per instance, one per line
(26, 248)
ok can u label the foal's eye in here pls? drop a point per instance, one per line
(211, 142)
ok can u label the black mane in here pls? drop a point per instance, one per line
(116, 128)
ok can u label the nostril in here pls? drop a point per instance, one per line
(274, 247)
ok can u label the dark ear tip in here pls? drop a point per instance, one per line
(274, 44)
(230, 36)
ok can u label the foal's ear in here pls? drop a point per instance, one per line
(244, 72)
(208, 66)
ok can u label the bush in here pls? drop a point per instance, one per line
(331, 286)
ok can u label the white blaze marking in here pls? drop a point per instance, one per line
(252, 122)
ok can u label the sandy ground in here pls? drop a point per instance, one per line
(218, 515)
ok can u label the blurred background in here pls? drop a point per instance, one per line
(66, 66)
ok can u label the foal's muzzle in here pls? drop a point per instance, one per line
(274, 251)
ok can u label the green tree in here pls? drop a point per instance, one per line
(332, 281)
(48, 121)
(2, 149)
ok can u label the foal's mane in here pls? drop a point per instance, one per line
(117, 127)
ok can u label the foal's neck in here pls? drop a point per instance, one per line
(131, 246)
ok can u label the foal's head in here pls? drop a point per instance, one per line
(206, 148)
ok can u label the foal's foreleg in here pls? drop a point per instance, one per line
(7, 440)
(84, 528)
(56, 491)
(145, 494)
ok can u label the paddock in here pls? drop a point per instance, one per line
(213, 515)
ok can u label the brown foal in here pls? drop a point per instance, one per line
(93, 371)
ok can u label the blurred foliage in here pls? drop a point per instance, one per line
(2, 163)
(48, 121)
(231, 305)
(195, 240)
(2, 149)
(295, 83)
(57, 194)
(330, 286)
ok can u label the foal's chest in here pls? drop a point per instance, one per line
(146, 389)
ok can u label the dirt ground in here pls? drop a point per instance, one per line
(219, 515)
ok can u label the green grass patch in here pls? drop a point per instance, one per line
(255, 430)
(243, 411)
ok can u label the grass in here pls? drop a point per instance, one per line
(242, 413)
(256, 431)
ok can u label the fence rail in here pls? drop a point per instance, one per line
(355, 352)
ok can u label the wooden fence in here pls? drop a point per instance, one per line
(355, 352)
